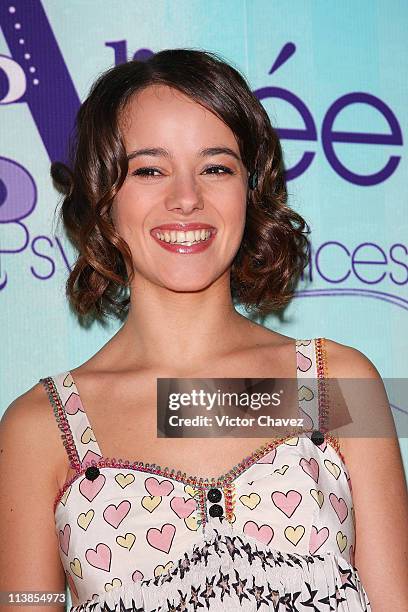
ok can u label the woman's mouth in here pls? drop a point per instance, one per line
(180, 241)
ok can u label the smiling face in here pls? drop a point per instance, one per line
(185, 168)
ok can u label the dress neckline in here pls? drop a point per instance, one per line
(225, 478)
(198, 483)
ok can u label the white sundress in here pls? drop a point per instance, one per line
(276, 532)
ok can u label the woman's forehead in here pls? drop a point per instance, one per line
(167, 112)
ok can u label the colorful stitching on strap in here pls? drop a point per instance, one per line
(62, 421)
(229, 496)
(322, 374)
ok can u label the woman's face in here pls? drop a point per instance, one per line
(180, 180)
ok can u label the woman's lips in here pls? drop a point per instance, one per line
(183, 248)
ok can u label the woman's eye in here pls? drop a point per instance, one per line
(145, 172)
(224, 169)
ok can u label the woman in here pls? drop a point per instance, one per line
(172, 153)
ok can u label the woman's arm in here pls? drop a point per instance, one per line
(29, 558)
(378, 482)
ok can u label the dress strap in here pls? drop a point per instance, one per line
(311, 370)
(76, 431)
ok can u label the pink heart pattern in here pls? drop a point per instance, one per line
(114, 515)
(183, 507)
(91, 488)
(281, 508)
(99, 557)
(317, 538)
(303, 362)
(287, 502)
(155, 488)
(162, 538)
(264, 533)
(73, 404)
(311, 467)
(64, 537)
(339, 506)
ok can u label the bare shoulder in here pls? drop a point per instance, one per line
(357, 396)
(345, 361)
(28, 427)
(31, 408)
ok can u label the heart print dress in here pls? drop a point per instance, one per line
(276, 532)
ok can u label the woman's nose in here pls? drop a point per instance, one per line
(185, 194)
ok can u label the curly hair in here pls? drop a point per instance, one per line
(274, 249)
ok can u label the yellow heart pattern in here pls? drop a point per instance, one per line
(115, 584)
(294, 534)
(333, 468)
(292, 441)
(124, 480)
(191, 522)
(341, 539)
(159, 570)
(127, 541)
(190, 490)
(84, 520)
(318, 496)
(76, 567)
(305, 394)
(150, 502)
(68, 381)
(88, 436)
(250, 501)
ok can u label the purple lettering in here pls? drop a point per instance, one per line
(404, 248)
(50, 92)
(320, 250)
(329, 136)
(355, 261)
(34, 243)
(309, 133)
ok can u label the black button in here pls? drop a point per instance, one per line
(214, 495)
(92, 472)
(216, 510)
(317, 437)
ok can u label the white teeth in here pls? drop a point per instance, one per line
(187, 238)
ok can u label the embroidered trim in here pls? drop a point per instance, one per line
(201, 484)
(322, 375)
(62, 421)
(202, 509)
(229, 496)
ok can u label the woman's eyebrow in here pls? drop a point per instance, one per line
(160, 152)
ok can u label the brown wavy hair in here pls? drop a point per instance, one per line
(274, 250)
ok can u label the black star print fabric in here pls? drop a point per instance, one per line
(211, 578)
